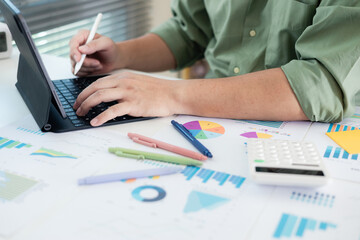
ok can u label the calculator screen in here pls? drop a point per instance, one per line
(289, 171)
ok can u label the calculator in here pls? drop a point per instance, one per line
(284, 162)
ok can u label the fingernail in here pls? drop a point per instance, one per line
(94, 122)
(75, 58)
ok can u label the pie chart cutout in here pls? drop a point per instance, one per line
(204, 129)
(255, 135)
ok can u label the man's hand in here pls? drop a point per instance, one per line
(137, 95)
(102, 54)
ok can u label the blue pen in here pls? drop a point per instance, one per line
(191, 138)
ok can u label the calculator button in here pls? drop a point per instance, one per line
(259, 161)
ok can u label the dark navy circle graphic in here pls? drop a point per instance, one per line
(136, 193)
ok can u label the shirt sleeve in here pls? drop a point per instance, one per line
(322, 77)
(188, 32)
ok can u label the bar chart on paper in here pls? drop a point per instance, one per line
(206, 175)
(339, 153)
(338, 128)
(316, 198)
(291, 226)
(191, 173)
(34, 132)
(8, 143)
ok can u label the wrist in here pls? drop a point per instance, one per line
(122, 60)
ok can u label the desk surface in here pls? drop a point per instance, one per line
(39, 197)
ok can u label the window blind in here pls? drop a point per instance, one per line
(54, 22)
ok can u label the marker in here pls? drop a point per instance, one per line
(166, 146)
(89, 39)
(131, 153)
(129, 175)
(181, 129)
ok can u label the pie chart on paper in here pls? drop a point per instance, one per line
(204, 129)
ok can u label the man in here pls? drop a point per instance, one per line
(279, 60)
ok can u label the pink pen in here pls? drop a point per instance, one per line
(166, 146)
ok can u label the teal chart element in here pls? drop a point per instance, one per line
(265, 123)
(317, 198)
(291, 226)
(199, 200)
(136, 193)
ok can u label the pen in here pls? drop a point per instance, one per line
(191, 138)
(89, 39)
(131, 153)
(166, 146)
(129, 175)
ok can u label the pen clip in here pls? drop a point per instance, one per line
(144, 142)
(129, 155)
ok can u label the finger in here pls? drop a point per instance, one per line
(76, 41)
(91, 66)
(96, 45)
(103, 95)
(91, 63)
(101, 83)
(114, 111)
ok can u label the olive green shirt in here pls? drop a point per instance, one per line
(316, 43)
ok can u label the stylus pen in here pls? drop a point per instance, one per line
(113, 177)
(150, 142)
(89, 39)
(181, 129)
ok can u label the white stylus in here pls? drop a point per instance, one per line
(90, 38)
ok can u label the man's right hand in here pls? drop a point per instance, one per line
(102, 54)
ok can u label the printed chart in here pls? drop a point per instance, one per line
(356, 116)
(291, 226)
(256, 135)
(265, 123)
(148, 193)
(35, 132)
(200, 200)
(338, 128)
(339, 153)
(7, 143)
(51, 153)
(13, 186)
(206, 174)
(204, 129)
(319, 199)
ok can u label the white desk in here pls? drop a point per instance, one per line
(59, 209)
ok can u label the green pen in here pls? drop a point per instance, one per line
(131, 153)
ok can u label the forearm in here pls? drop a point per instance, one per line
(264, 95)
(148, 53)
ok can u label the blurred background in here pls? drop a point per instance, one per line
(53, 22)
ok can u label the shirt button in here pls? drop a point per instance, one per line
(252, 33)
(236, 70)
